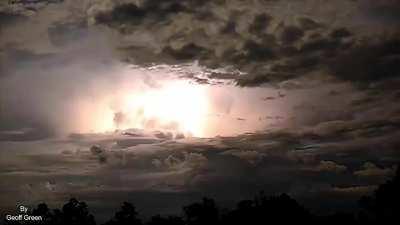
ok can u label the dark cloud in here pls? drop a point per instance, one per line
(330, 166)
(386, 11)
(340, 140)
(28, 2)
(291, 34)
(25, 134)
(229, 28)
(188, 52)
(371, 170)
(9, 18)
(368, 61)
(253, 80)
(16, 57)
(340, 33)
(308, 23)
(323, 46)
(263, 47)
(121, 14)
(119, 119)
(286, 158)
(151, 10)
(65, 33)
(99, 152)
(254, 51)
(260, 23)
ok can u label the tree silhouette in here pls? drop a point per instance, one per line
(384, 205)
(170, 220)
(74, 213)
(336, 218)
(262, 210)
(43, 211)
(126, 216)
(205, 212)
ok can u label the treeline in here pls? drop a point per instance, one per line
(383, 207)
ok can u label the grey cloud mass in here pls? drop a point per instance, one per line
(302, 98)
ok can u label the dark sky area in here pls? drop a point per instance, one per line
(163, 102)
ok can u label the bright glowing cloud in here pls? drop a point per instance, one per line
(136, 99)
(175, 106)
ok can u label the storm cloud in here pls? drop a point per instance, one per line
(299, 97)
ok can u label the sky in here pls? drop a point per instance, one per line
(163, 102)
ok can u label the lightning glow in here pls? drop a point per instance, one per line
(177, 105)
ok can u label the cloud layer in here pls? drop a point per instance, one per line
(302, 98)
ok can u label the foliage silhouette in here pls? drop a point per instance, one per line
(73, 212)
(205, 212)
(44, 211)
(383, 207)
(126, 216)
(262, 210)
(170, 220)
